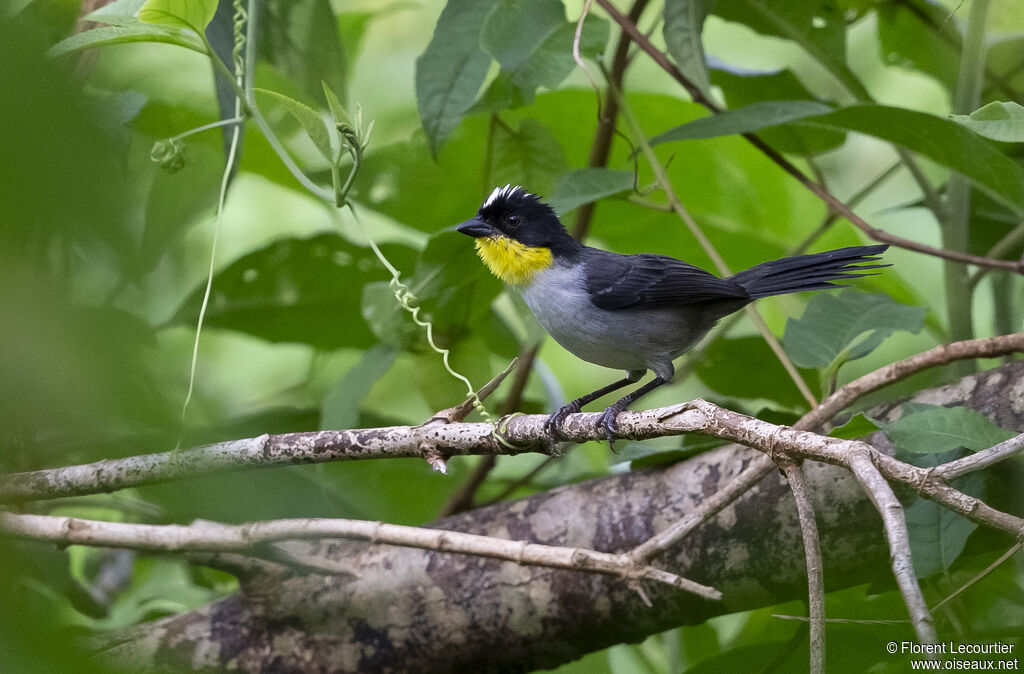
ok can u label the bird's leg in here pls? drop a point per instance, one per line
(554, 422)
(607, 420)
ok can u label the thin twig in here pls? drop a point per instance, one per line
(980, 460)
(944, 354)
(812, 555)
(216, 537)
(888, 506)
(987, 570)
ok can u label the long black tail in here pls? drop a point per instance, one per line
(809, 272)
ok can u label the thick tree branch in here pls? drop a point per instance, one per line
(457, 609)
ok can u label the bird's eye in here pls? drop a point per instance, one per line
(512, 220)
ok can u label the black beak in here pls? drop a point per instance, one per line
(475, 228)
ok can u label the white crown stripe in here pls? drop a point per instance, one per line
(501, 193)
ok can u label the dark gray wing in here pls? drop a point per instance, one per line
(619, 281)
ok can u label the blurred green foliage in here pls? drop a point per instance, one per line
(104, 255)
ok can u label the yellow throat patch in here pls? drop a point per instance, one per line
(513, 262)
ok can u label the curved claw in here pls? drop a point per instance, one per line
(608, 421)
(554, 423)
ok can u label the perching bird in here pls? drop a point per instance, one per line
(628, 312)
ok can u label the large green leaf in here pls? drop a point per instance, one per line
(747, 119)
(725, 367)
(997, 120)
(533, 42)
(932, 429)
(452, 69)
(838, 328)
(741, 88)
(296, 290)
(194, 14)
(126, 33)
(530, 156)
(301, 39)
(684, 22)
(816, 25)
(941, 140)
(920, 35)
(584, 186)
(937, 534)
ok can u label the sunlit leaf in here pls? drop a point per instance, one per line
(194, 14)
(998, 120)
(311, 121)
(127, 33)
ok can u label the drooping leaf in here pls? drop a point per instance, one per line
(1002, 121)
(747, 119)
(452, 69)
(530, 156)
(194, 14)
(920, 36)
(932, 429)
(741, 88)
(340, 407)
(301, 39)
(818, 26)
(296, 290)
(684, 23)
(532, 41)
(126, 33)
(726, 364)
(584, 186)
(311, 121)
(845, 327)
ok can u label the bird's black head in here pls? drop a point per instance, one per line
(515, 213)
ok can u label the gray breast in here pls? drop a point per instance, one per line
(624, 339)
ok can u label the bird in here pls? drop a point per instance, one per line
(628, 312)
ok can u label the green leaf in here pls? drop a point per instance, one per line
(749, 118)
(932, 429)
(388, 320)
(818, 26)
(684, 21)
(194, 14)
(725, 365)
(920, 36)
(845, 327)
(937, 534)
(116, 12)
(997, 120)
(296, 290)
(857, 427)
(941, 140)
(301, 38)
(587, 185)
(530, 155)
(533, 42)
(311, 121)
(126, 33)
(451, 70)
(341, 404)
(741, 88)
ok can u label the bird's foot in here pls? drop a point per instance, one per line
(553, 425)
(609, 424)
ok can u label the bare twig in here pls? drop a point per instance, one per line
(990, 347)
(216, 537)
(812, 555)
(830, 200)
(979, 460)
(895, 523)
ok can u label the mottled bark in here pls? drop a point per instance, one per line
(364, 607)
